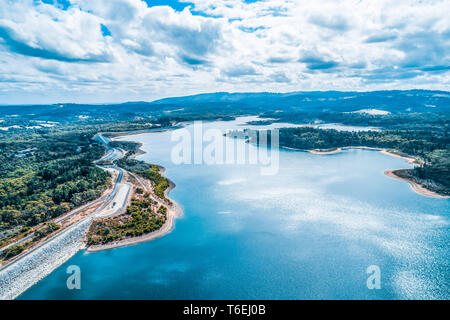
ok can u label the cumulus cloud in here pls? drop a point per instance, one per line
(334, 23)
(193, 38)
(318, 63)
(240, 70)
(50, 33)
(134, 49)
(380, 37)
(279, 77)
(279, 59)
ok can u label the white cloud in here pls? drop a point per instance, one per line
(49, 33)
(227, 45)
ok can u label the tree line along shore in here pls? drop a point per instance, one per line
(147, 211)
(429, 150)
(47, 171)
(48, 175)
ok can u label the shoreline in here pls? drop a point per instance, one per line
(315, 151)
(410, 160)
(139, 151)
(414, 185)
(390, 173)
(122, 134)
(325, 151)
(173, 211)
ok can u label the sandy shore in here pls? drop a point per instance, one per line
(415, 186)
(387, 152)
(315, 151)
(289, 148)
(409, 159)
(382, 150)
(173, 211)
(325, 151)
(390, 173)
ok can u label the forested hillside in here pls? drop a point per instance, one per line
(394, 101)
(223, 105)
(45, 175)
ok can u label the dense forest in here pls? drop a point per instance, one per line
(49, 171)
(45, 175)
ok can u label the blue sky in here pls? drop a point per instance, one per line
(127, 50)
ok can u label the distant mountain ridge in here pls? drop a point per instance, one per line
(340, 101)
(224, 104)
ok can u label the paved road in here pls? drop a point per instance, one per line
(111, 154)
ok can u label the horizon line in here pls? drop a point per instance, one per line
(218, 92)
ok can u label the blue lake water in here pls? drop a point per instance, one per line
(308, 232)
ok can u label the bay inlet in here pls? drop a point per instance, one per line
(308, 232)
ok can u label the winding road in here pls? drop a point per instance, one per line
(35, 264)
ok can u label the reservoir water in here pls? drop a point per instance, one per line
(308, 232)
